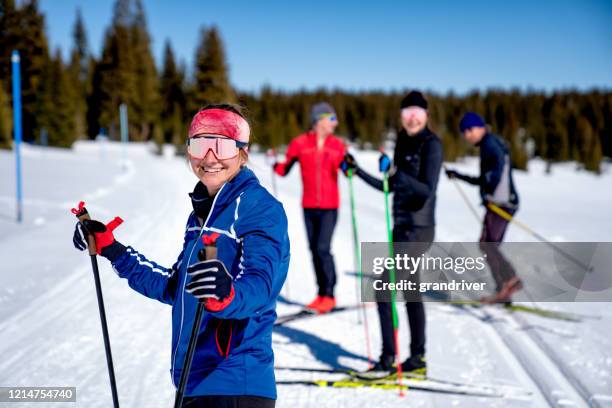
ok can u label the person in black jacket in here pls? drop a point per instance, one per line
(413, 180)
(496, 187)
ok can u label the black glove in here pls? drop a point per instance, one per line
(349, 163)
(209, 279)
(451, 174)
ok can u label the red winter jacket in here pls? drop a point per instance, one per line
(319, 168)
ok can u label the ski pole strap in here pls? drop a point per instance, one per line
(81, 213)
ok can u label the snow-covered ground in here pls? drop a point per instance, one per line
(50, 331)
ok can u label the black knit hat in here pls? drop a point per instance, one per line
(414, 98)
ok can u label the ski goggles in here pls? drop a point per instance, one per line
(331, 116)
(414, 112)
(222, 147)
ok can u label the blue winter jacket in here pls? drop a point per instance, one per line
(234, 350)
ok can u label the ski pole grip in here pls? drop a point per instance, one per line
(82, 215)
(210, 247)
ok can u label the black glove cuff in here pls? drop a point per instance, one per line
(113, 251)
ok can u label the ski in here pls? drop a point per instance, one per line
(362, 375)
(306, 313)
(393, 385)
(547, 313)
(383, 377)
(342, 384)
(280, 320)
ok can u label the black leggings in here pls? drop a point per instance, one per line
(414, 309)
(228, 401)
(320, 226)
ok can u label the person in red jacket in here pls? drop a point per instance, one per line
(319, 154)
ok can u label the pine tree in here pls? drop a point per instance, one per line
(80, 75)
(556, 137)
(211, 73)
(173, 99)
(24, 30)
(6, 119)
(144, 112)
(56, 104)
(114, 79)
(534, 125)
(9, 24)
(589, 146)
(606, 131)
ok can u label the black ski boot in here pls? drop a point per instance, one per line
(415, 365)
(384, 364)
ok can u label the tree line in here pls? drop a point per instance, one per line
(80, 98)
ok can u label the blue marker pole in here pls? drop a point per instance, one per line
(17, 128)
(123, 121)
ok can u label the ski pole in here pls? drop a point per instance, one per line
(504, 214)
(208, 252)
(392, 280)
(356, 249)
(271, 154)
(357, 252)
(82, 215)
(465, 197)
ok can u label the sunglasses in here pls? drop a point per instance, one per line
(222, 147)
(332, 117)
(414, 111)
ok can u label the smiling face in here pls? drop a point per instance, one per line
(213, 173)
(414, 119)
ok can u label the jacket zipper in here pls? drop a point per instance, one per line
(318, 171)
(178, 342)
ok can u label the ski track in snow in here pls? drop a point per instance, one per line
(50, 329)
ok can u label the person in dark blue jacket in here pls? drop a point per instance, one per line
(496, 187)
(233, 363)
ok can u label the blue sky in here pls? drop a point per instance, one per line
(384, 45)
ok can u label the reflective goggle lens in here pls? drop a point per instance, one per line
(223, 148)
(332, 117)
(414, 112)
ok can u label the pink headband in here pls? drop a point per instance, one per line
(220, 122)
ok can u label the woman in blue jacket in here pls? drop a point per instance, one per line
(233, 363)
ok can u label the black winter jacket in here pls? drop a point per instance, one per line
(413, 179)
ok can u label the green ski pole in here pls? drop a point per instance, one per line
(357, 252)
(392, 280)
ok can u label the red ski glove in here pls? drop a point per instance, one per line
(103, 234)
